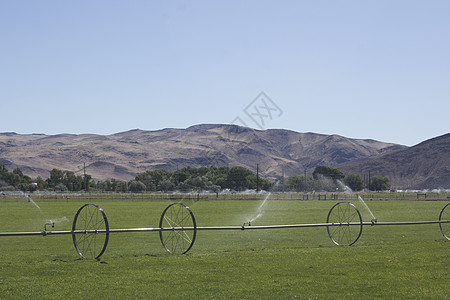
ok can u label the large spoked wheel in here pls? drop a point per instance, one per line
(445, 216)
(178, 228)
(90, 231)
(346, 224)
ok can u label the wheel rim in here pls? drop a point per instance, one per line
(445, 216)
(346, 223)
(90, 231)
(178, 228)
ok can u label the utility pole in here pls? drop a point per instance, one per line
(257, 178)
(365, 183)
(86, 185)
(305, 180)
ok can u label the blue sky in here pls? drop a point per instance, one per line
(360, 69)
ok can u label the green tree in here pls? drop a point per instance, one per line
(180, 176)
(71, 181)
(4, 173)
(137, 186)
(153, 178)
(380, 183)
(237, 178)
(204, 178)
(93, 185)
(221, 181)
(41, 183)
(103, 185)
(355, 181)
(61, 187)
(56, 177)
(299, 183)
(26, 187)
(16, 177)
(121, 186)
(166, 185)
(329, 172)
(85, 182)
(265, 184)
(113, 185)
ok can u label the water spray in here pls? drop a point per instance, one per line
(373, 220)
(31, 200)
(259, 211)
(260, 208)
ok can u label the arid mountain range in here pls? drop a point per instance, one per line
(423, 166)
(277, 152)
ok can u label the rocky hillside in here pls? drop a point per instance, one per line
(126, 154)
(424, 166)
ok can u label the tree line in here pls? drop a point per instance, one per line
(190, 179)
(331, 180)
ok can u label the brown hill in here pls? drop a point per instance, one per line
(424, 166)
(126, 154)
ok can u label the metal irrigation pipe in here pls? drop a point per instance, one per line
(158, 229)
(275, 226)
(243, 227)
(261, 226)
(177, 228)
(405, 223)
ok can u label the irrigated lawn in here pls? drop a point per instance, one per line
(388, 262)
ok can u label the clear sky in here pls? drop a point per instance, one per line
(360, 69)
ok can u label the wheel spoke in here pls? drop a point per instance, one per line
(345, 215)
(174, 237)
(88, 241)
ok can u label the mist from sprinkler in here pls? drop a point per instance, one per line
(59, 220)
(45, 232)
(50, 222)
(374, 220)
(260, 210)
(347, 189)
(31, 200)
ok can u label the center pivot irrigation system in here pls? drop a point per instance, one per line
(178, 229)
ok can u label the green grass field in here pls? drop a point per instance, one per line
(389, 262)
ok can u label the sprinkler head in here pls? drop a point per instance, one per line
(45, 225)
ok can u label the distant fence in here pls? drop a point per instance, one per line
(423, 195)
(183, 197)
